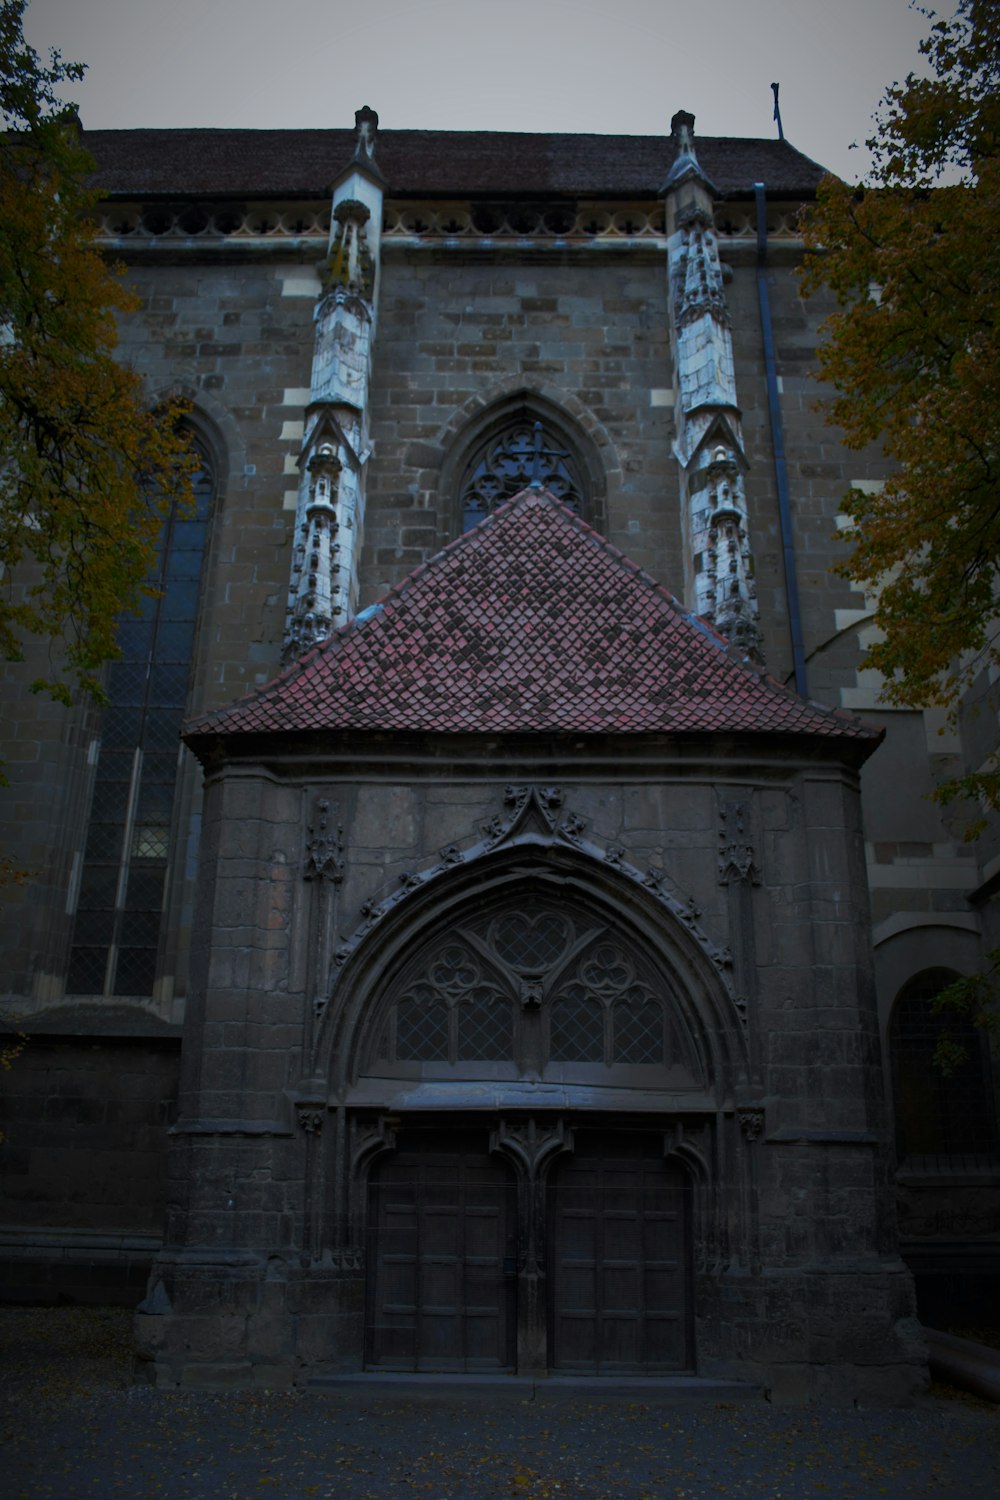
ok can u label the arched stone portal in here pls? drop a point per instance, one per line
(521, 1084)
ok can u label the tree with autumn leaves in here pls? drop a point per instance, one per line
(913, 355)
(87, 469)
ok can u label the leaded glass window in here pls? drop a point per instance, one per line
(120, 905)
(576, 1026)
(526, 452)
(529, 987)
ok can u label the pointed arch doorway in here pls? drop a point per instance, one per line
(529, 1059)
(584, 1269)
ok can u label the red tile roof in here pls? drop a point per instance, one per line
(530, 622)
(432, 163)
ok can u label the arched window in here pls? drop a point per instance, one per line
(938, 1113)
(523, 452)
(121, 899)
(529, 987)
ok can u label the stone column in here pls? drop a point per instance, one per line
(709, 443)
(330, 520)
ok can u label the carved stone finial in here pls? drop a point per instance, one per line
(682, 129)
(366, 126)
(324, 849)
(686, 165)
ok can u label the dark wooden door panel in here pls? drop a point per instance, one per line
(618, 1260)
(441, 1228)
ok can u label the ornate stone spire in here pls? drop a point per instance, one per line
(335, 447)
(709, 446)
(315, 571)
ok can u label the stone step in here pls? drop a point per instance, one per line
(663, 1390)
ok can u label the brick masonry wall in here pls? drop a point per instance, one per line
(456, 334)
(917, 863)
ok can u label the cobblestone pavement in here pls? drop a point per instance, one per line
(74, 1425)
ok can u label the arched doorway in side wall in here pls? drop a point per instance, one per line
(619, 1259)
(442, 1218)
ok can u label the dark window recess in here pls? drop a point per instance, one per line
(938, 1114)
(523, 454)
(116, 934)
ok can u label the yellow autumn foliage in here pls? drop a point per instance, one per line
(87, 467)
(913, 356)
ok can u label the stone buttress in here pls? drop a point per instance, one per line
(335, 448)
(709, 444)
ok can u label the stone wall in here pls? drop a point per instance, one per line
(85, 1123)
(789, 1128)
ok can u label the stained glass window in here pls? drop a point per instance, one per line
(119, 910)
(524, 453)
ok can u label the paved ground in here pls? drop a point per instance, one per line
(73, 1425)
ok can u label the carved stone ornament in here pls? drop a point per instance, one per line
(371, 1138)
(530, 1143)
(751, 1123)
(310, 1117)
(736, 854)
(531, 994)
(351, 267)
(697, 272)
(324, 847)
(539, 811)
(315, 564)
(523, 805)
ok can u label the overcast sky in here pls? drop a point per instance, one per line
(582, 65)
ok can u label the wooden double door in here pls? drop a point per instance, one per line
(463, 1254)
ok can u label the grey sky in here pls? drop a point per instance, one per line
(597, 65)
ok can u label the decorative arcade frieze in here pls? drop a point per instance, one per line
(303, 225)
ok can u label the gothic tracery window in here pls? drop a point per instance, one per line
(122, 894)
(525, 452)
(528, 989)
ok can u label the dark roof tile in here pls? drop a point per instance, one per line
(431, 163)
(531, 622)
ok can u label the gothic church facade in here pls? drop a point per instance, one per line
(494, 986)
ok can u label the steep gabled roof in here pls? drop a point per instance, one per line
(531, 622)
(432, 163)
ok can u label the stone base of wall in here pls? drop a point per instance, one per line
(839, 1334)
(842, 1338)
(232, 1321)
(47, 1266)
